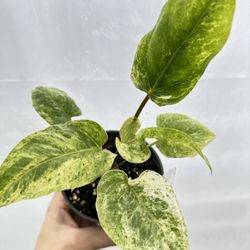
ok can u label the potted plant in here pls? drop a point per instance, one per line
(135, 204)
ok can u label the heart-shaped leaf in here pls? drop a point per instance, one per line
(172, 57)
(54, 105)
(173, 143)
(200, 134)
(60, 157)
(141, 214)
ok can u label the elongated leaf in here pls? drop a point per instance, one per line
(54, 105)
(141, 214)
(136, 152)
(197, 131)
(129, 129)
(173, 143)
(172, 57)
(57, 158)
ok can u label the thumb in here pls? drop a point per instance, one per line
(58, 211)
(93, 238)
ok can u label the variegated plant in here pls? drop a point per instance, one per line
(141, 214)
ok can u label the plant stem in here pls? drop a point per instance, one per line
(151, 144)
(139, 110)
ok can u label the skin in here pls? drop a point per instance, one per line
(60, 231)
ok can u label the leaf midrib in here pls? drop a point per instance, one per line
(194, 145)
(47, 131)
(44, 162)
(177, 50)
(151, 215)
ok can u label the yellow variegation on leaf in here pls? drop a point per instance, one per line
(60, 157)
(172, 57)
(200, 134)
(136, 152)
(54, 105)
(129, 129)
(141, 214)
(173, 143)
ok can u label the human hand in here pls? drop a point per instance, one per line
(60, 231)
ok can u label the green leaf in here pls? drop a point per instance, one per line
(129, 147)
(60, 157)
(129, 129)
(173, 143)
(141, 214)
(54, 105)
(172, 57)
(136, 152)
(197, 131)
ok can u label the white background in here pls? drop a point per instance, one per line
(86, 48)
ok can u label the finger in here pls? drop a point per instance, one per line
(94, 238)
(86, 223)
(58, 211)
(58, 202)
(81, 221)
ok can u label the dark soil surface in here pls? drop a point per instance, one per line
(84, 198)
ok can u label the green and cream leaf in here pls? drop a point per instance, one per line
(172, 57)
(54, 105)
(129, 129)
(200, 134)
(173, 143)
(60, 157)
(137, 152)
(140, 214)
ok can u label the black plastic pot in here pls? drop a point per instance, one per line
(110, 145)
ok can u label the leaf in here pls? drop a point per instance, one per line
(128, 147)
(60, 157)
(129, 129)
(173, 143)
(141, 214)
(54, 105)
(172, 57)
(197, 131)
(136, 152)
